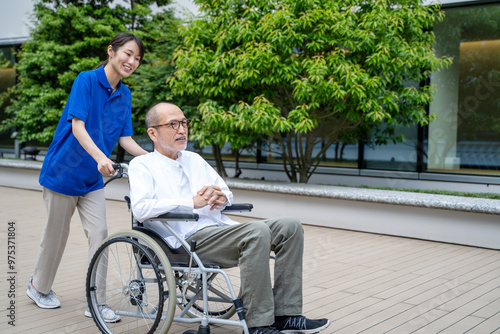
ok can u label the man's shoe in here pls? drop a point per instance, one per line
(300, 324)
(263, 330)
(42, 300)
(108, 315)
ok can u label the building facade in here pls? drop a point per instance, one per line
(462, 145)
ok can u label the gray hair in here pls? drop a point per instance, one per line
(152, 114)
(152, 117)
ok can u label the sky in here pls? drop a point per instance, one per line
(15, 16)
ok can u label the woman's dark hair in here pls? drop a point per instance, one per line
(119, 40)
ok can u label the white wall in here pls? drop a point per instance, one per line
(15, 18)
(466, 228)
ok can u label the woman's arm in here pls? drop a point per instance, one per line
(104, 164)
(131, 146)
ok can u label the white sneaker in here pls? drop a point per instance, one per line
(42, 300)
(107, 314)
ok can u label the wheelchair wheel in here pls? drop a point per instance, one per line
(220, 303)
(131, 274)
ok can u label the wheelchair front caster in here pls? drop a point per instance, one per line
(201, 330)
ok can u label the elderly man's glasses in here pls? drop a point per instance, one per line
(175, 124)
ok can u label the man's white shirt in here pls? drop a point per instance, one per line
(159, 185)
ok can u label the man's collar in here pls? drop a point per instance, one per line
(167, 159)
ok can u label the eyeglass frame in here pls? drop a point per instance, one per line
(171, 124)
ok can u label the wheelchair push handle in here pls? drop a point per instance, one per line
(120, 169)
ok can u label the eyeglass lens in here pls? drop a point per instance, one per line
(175, 124)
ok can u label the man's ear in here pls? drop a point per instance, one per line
(153, 135)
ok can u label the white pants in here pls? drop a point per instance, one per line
(60, 209)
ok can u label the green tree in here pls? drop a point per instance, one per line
(149, 83)
(70, 36)
(301, 73)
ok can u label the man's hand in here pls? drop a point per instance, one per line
(209, 195)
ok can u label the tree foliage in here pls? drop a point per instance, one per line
(149, 83)
(305, 72)
(71, 36)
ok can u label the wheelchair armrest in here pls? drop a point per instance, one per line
(239, 207)
(170, 215)
(177, 216)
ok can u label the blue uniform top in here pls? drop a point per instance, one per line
(67, 167)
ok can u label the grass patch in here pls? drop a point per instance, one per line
(440, 192)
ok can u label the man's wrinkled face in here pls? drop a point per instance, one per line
(170, 135)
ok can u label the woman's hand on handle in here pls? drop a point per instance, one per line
(105, 166)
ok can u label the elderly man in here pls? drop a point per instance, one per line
(172, 179)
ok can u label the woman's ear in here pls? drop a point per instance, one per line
(110, 51)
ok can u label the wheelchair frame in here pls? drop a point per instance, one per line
(151, 268)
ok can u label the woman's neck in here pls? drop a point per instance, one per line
(112, 76)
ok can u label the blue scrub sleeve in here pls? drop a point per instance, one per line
(80, 98)
(128, 129)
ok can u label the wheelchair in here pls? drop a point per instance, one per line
(144, 281)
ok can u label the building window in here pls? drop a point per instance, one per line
(7, 80)
(400, 156)
(7, 72)
(466, 136)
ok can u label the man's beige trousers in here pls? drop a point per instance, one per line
(249, 245)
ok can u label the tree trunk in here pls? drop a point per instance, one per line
(120, 154)
(342, 152)
(237, 170)
(218, 161)
(288, 158)
(306, 165)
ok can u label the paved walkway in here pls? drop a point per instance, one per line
(364, 283)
